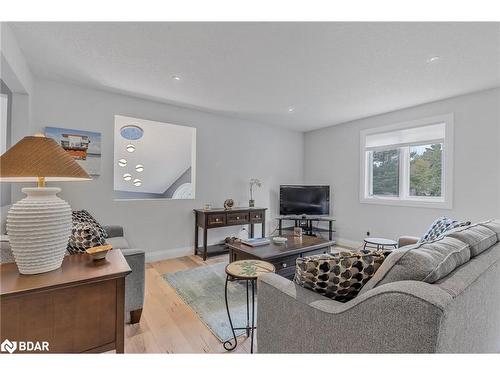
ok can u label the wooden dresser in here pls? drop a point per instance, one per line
(77, 308)
(219, 217)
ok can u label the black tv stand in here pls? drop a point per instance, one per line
(309, 224)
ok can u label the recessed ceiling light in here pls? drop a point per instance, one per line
(139, 167)
(433, 59)
(130, 148)
(122, 163)
(291, 109)
(127, 176)
(176, 78)
(137, 182)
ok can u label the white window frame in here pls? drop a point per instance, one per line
(404, 199)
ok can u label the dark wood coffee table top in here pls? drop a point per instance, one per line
(294, 245)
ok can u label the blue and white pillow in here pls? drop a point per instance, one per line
(439, 227)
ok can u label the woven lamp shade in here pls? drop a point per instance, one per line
(37, 156)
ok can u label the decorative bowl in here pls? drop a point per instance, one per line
(99, 252)
(280, 240)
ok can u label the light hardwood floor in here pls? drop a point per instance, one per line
(168, 325)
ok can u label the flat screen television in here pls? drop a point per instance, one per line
(304, 200)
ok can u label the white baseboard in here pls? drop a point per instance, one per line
(154, 256)
(348, 243)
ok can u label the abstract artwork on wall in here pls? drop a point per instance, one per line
(153, 160)
(84, 146)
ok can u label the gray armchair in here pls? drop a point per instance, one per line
(134, 282)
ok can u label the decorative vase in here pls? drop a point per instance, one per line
(228, 204)
(251, 203)
(39, 227)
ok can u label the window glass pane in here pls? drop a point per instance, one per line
(385, 172)
(426, 170)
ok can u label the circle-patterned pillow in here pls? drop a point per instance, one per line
(84, 236)
(84, 217)
(339, 276)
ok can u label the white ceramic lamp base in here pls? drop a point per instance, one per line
(39, 227)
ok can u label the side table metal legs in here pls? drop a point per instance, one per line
(250, 328)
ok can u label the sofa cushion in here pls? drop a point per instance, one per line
(439, 227)
(84, 236)
(118, 242)
(339, 276)
(428, 262)
(494, 225)
(477, 236)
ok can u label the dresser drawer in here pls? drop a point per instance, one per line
(216, 220)
(284, 263)
(314, 252)
(238, 218)
(287, 273)
(257, 216)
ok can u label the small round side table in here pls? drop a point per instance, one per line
(381, 243)
(246, 270)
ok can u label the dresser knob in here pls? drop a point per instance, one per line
(237, 218)
(216, 219)
(283, 265)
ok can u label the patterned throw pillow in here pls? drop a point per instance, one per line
(85, 217)
(86, 233)
(83, 237)
(439, 227)
(339, 276)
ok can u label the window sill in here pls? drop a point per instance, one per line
(408, 202)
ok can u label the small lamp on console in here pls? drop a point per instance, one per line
(40, 224)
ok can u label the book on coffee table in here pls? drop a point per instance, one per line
(256, 241)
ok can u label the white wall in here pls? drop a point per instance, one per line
(332, 157)
(229, 153)
(15, 73)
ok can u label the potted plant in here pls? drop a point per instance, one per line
(253, 182)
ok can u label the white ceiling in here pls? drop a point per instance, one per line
(328, 72)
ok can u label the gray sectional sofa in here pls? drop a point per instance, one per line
(134, 282)
(456, 310)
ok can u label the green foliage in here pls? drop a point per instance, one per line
(386, 172)
(426, 171)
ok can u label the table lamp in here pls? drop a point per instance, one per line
(40, 224)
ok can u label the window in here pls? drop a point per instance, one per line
(385, 173)
(408, 164)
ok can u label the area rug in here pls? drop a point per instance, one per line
(202, 288)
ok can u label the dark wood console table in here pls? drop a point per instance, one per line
(78, 308)
(219, 217)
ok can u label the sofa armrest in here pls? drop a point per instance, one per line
(134, 281)
(401, 317)
(407, 240)
(113, 230)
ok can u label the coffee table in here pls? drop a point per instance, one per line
(281, 256)
(381, 243)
